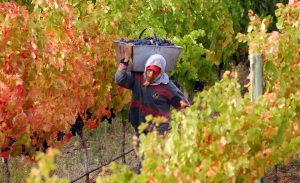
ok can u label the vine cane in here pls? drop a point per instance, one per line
(85, 155)
(5, 168)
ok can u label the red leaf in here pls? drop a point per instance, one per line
(3, 6)
(24, 54)
(5, 154)
(10, 57)
(208, 140)
(69, 33)
(19, 89)
(5, 34)
(32, 158)
(67, 137)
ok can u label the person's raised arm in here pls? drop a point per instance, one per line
(178, 100)
(122, 77)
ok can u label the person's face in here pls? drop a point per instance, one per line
(150, 76)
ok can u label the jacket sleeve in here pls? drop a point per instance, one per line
(177, 97)
(124, 78)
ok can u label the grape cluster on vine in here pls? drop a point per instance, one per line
(109, 119)
(76, 129)
(77, 126)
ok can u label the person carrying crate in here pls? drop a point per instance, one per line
(152, 91)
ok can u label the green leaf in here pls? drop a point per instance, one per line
(279, 23)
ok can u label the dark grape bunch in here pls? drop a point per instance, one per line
(76, 128)
(199, 86)
(60, 136)
(148, 41)
(109, 119)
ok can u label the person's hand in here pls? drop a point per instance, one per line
(128, 52)
(183, 104)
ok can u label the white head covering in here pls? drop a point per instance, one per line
(160, 62)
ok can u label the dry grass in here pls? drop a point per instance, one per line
(103, 145)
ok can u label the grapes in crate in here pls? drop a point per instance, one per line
(148, 41)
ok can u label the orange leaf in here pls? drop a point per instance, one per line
(91, 124)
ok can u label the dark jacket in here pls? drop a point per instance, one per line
(153, 99)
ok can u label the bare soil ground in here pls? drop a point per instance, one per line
(284, 174)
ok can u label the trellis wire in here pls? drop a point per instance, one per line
(116, 158)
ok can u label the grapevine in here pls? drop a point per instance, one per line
(51, 73)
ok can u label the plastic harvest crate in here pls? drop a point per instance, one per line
(141, 53)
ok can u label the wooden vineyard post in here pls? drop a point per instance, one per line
(257, 85)
(123, 140)
(276, 170)
(256, 76)
(5, 169)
